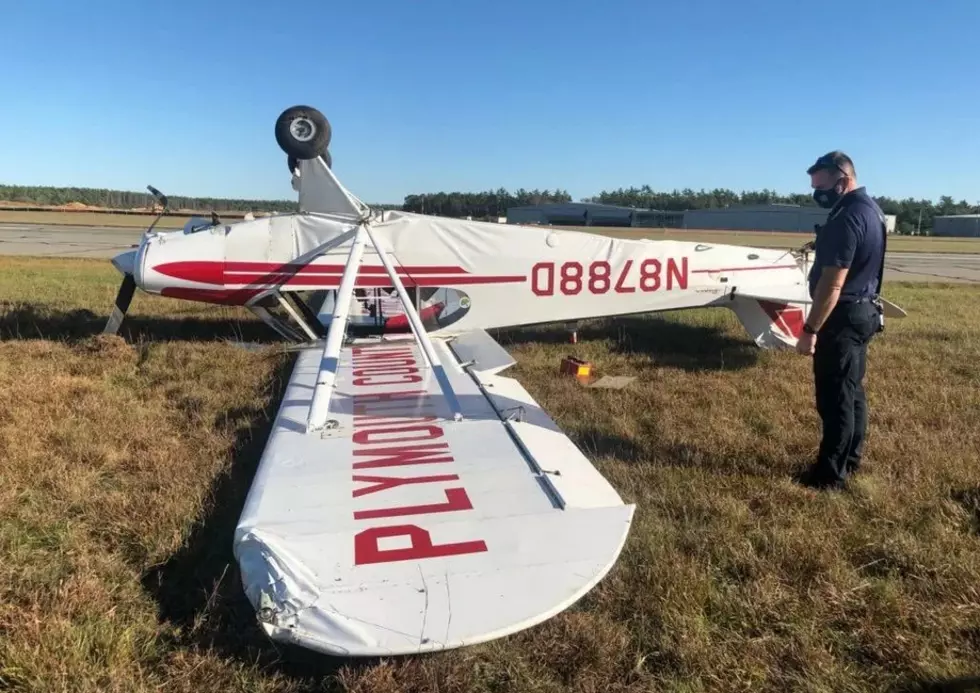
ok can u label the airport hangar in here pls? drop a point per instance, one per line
(962, 225)
(766, 217)
(592, 214)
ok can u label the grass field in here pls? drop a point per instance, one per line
(764, 239)
(125, 466)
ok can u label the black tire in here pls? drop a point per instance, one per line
(293, 163)
(303, 132)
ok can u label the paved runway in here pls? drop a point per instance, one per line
(932, 267)
(66, 241)
(77, 241)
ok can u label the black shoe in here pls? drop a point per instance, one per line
(812, 478)
(831, 485)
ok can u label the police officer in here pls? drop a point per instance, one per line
(845, 281)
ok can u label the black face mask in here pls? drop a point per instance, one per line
(827, 198)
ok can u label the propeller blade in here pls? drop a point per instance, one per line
(123, 299)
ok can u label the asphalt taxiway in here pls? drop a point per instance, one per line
(81, 241)
(932, 267)
(56, 240)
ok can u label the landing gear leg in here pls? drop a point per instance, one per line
(286, 306)
(276, 324)
(295, 317)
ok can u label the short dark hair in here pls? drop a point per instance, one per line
(835, 160)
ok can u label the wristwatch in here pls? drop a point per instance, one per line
(808, 329)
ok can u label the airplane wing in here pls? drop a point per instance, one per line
(429, 504)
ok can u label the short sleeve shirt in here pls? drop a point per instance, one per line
(852, 238)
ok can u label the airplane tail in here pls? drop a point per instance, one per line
(775, 323)
(771, 323)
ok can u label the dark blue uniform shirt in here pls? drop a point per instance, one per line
(852, 237)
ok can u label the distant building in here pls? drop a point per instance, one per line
(963, 225)
(592, 214)
(771, 217)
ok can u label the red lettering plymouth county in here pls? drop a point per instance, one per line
(394, 430)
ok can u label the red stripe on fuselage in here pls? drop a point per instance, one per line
(229, 297)
(253, 267)
(319, 276)
(334, 282)
(204, 272)
(216, 272)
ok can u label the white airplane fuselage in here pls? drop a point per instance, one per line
(493, 275)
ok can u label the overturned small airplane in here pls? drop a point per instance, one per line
(410, 498)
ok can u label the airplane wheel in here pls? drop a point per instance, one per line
(293, 163)
(303, 132)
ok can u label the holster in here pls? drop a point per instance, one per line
(880, 307)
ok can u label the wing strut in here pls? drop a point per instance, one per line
(320, 405)
(335, 335)
(421, 336)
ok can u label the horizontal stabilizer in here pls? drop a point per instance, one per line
(892, 310)
(791, 293)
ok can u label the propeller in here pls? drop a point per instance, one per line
(123, 299)
(125, 263)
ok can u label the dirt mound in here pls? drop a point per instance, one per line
(106, 346)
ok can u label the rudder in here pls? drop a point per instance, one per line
(770, 324)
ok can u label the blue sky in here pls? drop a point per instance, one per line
(455, 95)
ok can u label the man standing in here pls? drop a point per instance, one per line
(844, 285)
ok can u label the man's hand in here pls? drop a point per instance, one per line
(806, 344)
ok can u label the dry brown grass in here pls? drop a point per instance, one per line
(125, 465)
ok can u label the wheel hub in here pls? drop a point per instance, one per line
(302, 129)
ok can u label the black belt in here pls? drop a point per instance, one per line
(851, 299)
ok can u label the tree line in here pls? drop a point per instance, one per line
(480, 205)
(121, 199)
(912, 215)
(127, 200)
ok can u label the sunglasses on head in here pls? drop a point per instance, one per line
(826, 163)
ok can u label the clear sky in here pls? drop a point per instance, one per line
(455, 95)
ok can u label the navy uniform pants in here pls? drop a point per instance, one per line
(839, 364)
